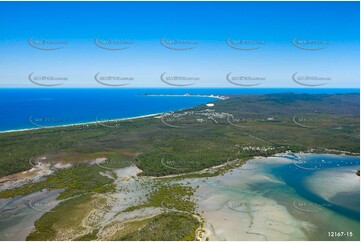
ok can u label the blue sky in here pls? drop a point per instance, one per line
(274, 24)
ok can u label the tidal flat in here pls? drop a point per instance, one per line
(256, 201)
(273, 199)
(192, 174)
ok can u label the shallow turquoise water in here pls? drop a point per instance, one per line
(281, 199)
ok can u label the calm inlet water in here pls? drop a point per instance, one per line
(307, 197)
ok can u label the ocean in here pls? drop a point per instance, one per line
(35, 108)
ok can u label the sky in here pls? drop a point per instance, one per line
(224, 44)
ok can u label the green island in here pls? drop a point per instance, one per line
(198, 142)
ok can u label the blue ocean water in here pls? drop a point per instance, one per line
(34, 108)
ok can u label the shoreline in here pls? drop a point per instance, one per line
(220, 97)
(119, 119)
(79, 124)
(216, 168)
(209, 215)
